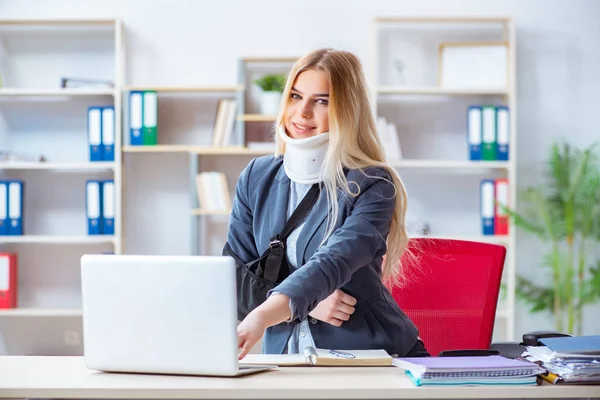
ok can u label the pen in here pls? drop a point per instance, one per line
(342, 354)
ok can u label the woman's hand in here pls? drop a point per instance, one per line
(250, 331)
(273, 311)
(335, 309)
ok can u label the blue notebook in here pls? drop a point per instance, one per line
(576, 344)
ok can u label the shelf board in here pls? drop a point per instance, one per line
(187, 89)
(40, 312)
(256, 118)
(202, 150)
(64, 166)
(447, 164)
(58, 239)
(199, 211)
(60, 22)
(269, 59)
(434, 90)
(494, 239)
(432, 19)
(70, 92)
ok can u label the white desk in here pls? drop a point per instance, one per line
(67, 377)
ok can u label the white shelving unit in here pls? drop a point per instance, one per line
(186, 117)
(38, 117)
(431, 124)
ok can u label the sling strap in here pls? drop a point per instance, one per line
(274, 262)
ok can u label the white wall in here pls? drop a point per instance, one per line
(198, 43)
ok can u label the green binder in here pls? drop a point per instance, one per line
(488, 142)
(150, 117)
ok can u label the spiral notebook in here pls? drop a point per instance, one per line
(485, 370)
(323, 358)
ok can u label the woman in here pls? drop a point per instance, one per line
(336, 297)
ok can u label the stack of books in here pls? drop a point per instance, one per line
(568, 360)
(469, 371)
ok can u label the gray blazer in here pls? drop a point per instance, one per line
(350, 260)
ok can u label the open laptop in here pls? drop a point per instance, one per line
(161, 314)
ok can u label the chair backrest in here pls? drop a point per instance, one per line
(452, 292)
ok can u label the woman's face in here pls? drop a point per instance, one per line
(307, 110)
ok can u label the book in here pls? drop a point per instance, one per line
(323, 358)
(481, 370)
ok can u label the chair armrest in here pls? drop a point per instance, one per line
(468, 353)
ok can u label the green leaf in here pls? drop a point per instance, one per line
(591, 291)
(538, 297)
(271, 83)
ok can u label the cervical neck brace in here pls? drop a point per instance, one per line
(304, 157)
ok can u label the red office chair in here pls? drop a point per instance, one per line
(452, 292)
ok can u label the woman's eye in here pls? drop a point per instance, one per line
(323, 102)
(295, 96)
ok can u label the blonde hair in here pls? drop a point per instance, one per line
(353, 143)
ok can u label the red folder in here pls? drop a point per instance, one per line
(8, 280)
(500, 217)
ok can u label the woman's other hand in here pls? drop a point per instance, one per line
(335, 309)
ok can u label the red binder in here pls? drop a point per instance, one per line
(8, 280)
(501, 218)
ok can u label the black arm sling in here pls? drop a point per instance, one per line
(257, 277)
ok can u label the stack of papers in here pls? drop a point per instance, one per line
(568, 360)
(467, 371)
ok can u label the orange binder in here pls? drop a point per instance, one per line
(8, 280)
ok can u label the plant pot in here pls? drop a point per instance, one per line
(269, 103)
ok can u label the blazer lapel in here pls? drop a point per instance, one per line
(277, 205)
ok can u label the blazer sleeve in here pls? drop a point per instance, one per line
(240, 235)
(359, 240)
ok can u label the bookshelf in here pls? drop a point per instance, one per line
(431, 121)
(43, 125)
(249, 122)
(254, 126)
(187, 120)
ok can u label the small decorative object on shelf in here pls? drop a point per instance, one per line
(272, 89)
(11, 156)
(66, 83)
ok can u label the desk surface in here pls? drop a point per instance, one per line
(68, 377)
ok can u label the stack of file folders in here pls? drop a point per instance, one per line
(568, 360)
(469, 371)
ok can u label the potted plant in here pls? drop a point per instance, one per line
(564, 212)
(272, 88)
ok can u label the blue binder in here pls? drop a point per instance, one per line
(474, 132)
(502, 133)
(93, 199)
(4, 208)
(94, 127)
(108, 133)
(136, 118)
(108, 207)
(487, 208)
(15, 207)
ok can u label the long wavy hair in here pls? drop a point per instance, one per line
(353, 143)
